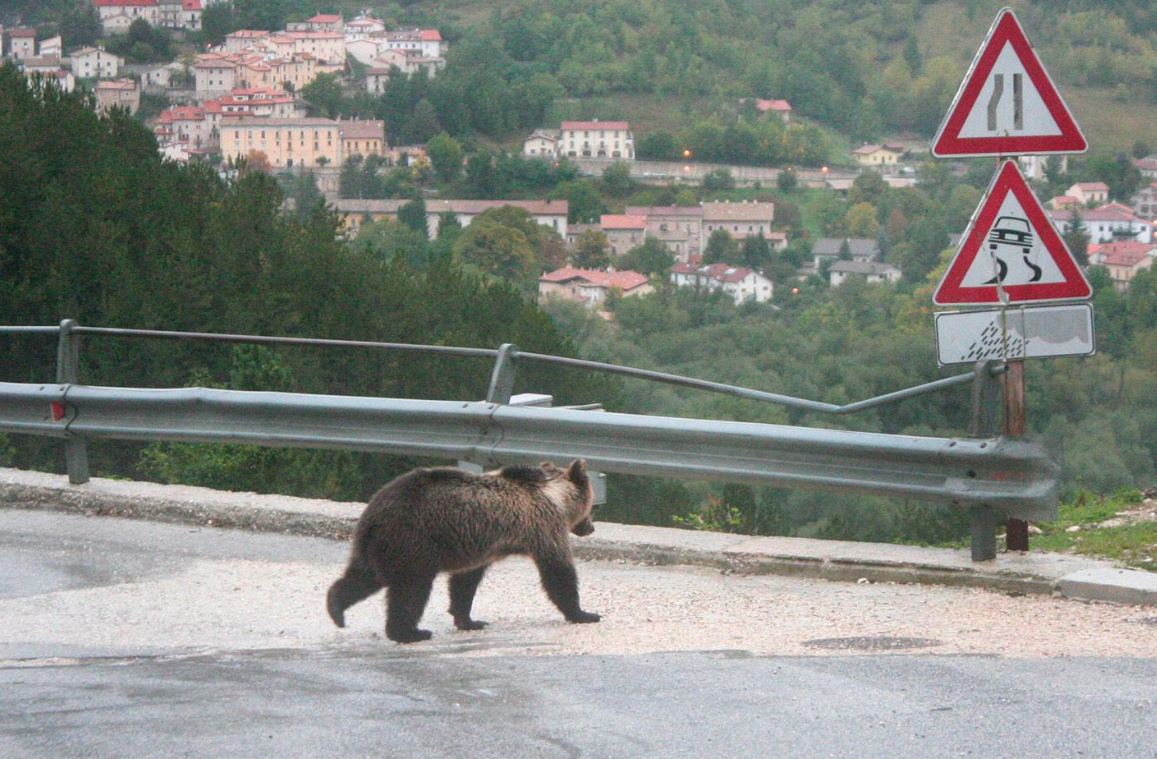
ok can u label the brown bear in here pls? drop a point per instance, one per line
(448, 520)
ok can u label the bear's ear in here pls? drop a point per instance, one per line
(577, 471)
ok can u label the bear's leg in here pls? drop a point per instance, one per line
(560, 582)
(406, 600)
(357, 584)
(462, 589)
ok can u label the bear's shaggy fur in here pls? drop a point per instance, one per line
(447, 520)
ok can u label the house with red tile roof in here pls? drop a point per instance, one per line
(1111, 222)
(780, 108)
(742, 284)
(1144, 202)
(590, 286)
(1124, 260)
(1147, 166)
(623, 231)
(1062, 202)
(1089, 192)
(21, 43)
(179, 14)
(117, 15)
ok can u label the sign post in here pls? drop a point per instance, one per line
(1011, 254)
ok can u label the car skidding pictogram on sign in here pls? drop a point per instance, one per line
(1007, 104)
(1011, 252)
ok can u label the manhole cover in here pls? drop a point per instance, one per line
(871, 644)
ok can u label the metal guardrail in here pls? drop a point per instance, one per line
(1012, 476)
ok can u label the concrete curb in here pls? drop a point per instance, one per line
(1032, 572)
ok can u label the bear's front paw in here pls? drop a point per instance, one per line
(409, 636)
(583, 617)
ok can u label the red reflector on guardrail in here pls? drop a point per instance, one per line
(57, 410)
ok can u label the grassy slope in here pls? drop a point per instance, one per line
(1108, 124)
(944, 29)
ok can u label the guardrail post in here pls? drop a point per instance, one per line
(986, 406)
(502, 380)
(67, 373)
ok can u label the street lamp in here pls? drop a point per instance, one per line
(686, 152)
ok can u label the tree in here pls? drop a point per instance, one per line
(422, 124)
(217, 22)
(721, 248)
(445, 154)
(308, 199)
(79, 25)
(786, 180)
(480, 174)
(324, 95)
(497, 249)
(718, 179)
(650, 258)
(590, 250)
(868, 187)
(617, 179)
(860, 220)
(755, 251)
(585, 203)
(413, 215)
(1076, 238)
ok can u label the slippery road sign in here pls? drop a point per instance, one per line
(1011, 252)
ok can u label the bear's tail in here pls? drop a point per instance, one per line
(357, 584)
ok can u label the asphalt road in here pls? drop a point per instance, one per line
(122, 638)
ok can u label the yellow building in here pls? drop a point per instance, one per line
(878, 155)
(287, 143)
(362, 138)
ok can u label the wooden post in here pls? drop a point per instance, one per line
(1016, 530)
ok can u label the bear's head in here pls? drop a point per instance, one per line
(570, 489)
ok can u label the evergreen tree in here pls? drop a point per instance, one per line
(445, 154)
(413, 215)
(721, 248)
(590, 251)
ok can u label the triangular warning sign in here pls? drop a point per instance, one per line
(1007, 104)
(1011, 252)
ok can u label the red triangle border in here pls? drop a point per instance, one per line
(1007, 30)
(1009, 179)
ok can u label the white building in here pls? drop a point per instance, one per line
(117, 15)
(549, 213)
(871, 271)
(542, 143)
(1112, 222)
(597, 139)
(741, 283)
(95, 63)
(740, 220)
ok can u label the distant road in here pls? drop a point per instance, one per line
(665, 172)
(121, 638)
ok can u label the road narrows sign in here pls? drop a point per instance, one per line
(1007, 104)
(1011, 252)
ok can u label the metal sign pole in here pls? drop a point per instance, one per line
(1016, 530)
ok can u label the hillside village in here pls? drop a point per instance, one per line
(691, 194)
(246, 101)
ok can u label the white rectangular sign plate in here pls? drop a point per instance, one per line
(965, 337)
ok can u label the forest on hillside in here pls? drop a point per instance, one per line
(94, 226)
